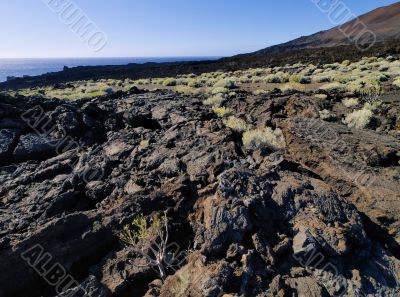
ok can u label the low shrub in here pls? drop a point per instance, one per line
(335, 86)
(222, 112)
(219, 90)
(264, 138)
(364, 85)
(359, 119)
(169, 82)
(299, 79)
(186, 90)
(292, 87)
(321, 96)
(260, 92)
(214, 101)
(236, 124)
(350, 102)
(396, 82)
(326, 115)
(225, 83)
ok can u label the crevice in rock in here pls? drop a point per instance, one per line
(379, 234)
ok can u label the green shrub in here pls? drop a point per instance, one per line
(364, 85)
(186, 90)
(396, 82)
(264, 138)
(169, 82)
(222, 112)
(225, 83)
(299, 79)
(219, 90)
(321, 96)
(350, 102)
(260, 92)
(236, 124)
(194, 83)
(359, 119)
(326, 115)
(279, 77)
(214, 101)
(335, 86)
(292, 87)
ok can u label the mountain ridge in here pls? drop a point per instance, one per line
(384, 22)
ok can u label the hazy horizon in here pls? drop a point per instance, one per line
(148, 29)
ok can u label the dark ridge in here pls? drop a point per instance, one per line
(280, 57)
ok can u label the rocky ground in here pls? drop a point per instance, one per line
(319, 218)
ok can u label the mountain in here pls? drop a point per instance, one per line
(384, 22)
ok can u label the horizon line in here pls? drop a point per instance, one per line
(114, 57)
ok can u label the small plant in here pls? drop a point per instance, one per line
(194, 83)
(300, 79)
(396, 82)
(350, 102)
(214, 101)
(149, 240)
(260, 92)
(219, 90)
(169, 82)
(326, 115)
(236, 124)
(359, 119)
(264, 138)
(226, 83)
(288, 87)
(222, 112)
(335, 86)
(364, 85)
(321, 96)
(186, 90)
(279, 77)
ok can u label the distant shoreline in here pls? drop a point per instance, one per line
(20, 67)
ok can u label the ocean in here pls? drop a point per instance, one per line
(31, 67)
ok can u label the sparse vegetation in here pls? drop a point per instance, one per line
(219, 90)
(350, 102)
(169, 82)
(326, 115)
(236, 124)
(359, 119)
(149, 240)
(222, 112)
(214, 100)
(331, 87)
(264, 138)
(226, 84)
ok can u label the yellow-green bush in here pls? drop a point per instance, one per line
(222, 112)
(262, 138)
(214, 101)
(350, 102)
(359, 119)
(169, 82)
(235, 124)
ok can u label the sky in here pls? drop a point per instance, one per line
(158, 28)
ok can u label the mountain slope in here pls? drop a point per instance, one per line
(384, 22)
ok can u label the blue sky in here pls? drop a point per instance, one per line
(154, 28)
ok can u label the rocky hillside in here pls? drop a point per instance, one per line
(318, 216)
(384, 22)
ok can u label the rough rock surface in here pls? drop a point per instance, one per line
(296, 222)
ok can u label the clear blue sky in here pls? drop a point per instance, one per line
(149, 28)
